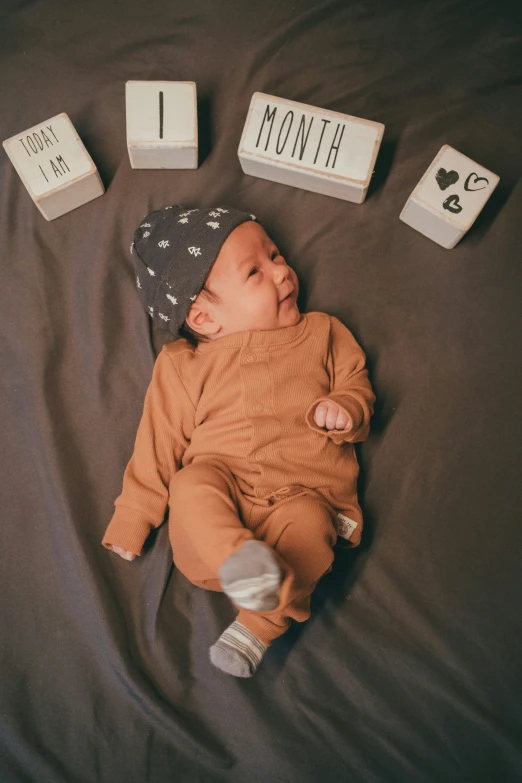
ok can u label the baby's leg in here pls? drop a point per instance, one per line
(204, 526)
(302, 531)
(210, 542)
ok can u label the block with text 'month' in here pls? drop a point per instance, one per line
(449, 197)
(54, 166)
(310, 148)
(162, 124)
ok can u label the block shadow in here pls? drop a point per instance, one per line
(383, 164)
(491, 210)
(204, 128)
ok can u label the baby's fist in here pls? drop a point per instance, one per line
(123, 552)
(332, 416)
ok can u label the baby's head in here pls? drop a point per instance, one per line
(250, 286)
(204, 285)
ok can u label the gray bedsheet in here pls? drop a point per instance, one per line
(408, 670)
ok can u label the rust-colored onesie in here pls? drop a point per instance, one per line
(228, 442)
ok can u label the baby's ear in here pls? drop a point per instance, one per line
(200, 319)
(194, 316)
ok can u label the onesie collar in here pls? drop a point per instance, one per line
(258, 337)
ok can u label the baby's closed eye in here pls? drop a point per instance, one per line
(274, 254)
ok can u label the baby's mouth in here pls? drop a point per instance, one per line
(287, 297)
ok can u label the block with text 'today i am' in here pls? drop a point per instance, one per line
(54, 166)
(449, 197)
(310, 148)
(162, 124)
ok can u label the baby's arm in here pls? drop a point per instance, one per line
(163, 434)
(346, 411)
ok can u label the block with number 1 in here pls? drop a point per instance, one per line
(162, 124)
(449, 197)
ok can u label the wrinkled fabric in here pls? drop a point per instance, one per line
(408, 670)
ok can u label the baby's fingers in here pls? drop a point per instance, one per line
(326, 414)
(343, 420)
(320, 414)
(331, 415)
(123, 553)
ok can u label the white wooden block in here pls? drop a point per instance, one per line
(162, 124)
(54, 166)
(310, 148)
(449, 197)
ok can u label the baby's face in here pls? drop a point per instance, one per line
(256, 287)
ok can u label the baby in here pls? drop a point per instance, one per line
(247, 429)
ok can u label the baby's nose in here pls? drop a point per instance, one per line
(281, 273)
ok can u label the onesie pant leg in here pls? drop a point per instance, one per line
(302, 530)
(210, 518)
(204, 523)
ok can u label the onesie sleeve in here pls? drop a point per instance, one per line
(349, 386)
(163, 435)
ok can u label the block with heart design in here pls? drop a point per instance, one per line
(310, 148)
(449, 197)
(54, 166)
(162, 124)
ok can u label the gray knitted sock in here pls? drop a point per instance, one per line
(237, 651)
(251, 577)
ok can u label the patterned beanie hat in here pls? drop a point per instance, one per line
(173, 252)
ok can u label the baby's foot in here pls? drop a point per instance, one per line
(251, 577)
(237, 651)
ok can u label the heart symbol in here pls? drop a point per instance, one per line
(446, 178)
(452, 204)
(477, 179)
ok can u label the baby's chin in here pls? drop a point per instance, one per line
(287, 315)
(292, 316)
(288, 310)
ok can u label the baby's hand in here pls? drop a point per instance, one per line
(332, 416)
(123, 553)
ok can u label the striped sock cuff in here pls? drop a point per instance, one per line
(253, 587)
(243, 640)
